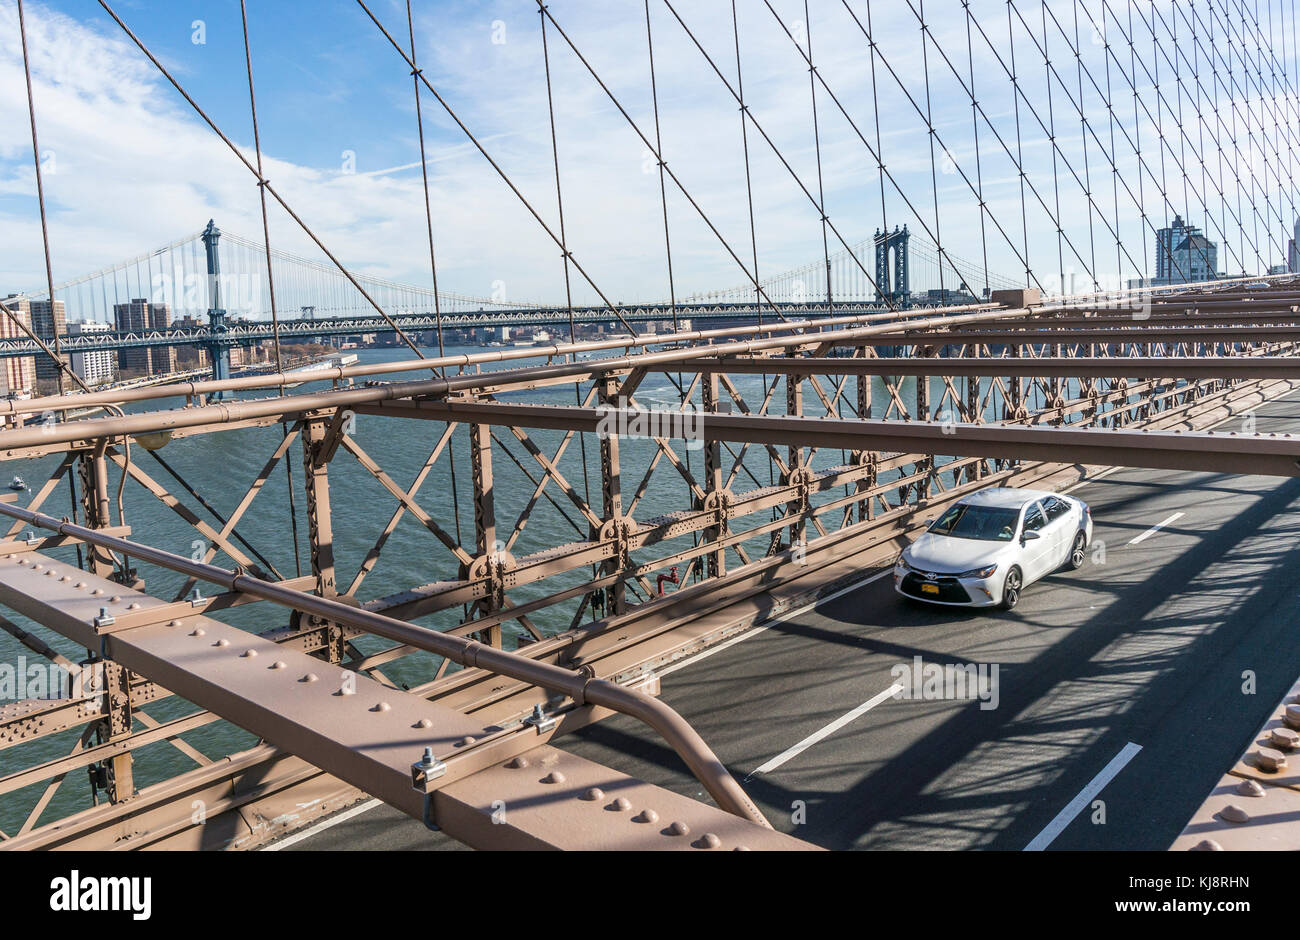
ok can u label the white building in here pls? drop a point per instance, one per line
(95, 367)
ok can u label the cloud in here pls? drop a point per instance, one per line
(129, 167)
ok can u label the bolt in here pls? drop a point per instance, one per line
(1292, 716)
(381, 707)
(553, 777)
(1285, 739)
(519, 763)
(594, 794)
(679, 829)
(707, 841)
(1271, 760)
(620, 805)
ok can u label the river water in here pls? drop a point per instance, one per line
(221, 466)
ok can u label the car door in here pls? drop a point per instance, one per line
(1036, 553)
(1059, 531)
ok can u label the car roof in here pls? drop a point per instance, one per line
(1005, 497)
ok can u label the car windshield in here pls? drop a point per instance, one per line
(985, 523)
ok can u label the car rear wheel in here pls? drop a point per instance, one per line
(1078, 551)
(1011, 589)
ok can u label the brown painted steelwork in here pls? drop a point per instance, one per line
(904, 452)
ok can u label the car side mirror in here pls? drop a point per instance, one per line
(1029, 536)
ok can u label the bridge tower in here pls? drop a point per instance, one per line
(218, 346)
(893, 284)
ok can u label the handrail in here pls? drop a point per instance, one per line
(671, 726)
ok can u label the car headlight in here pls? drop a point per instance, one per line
(980, 573)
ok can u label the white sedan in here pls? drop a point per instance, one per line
(983, 550)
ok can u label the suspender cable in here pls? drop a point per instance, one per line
(433, 260)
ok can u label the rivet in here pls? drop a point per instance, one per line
(381, 707)
(1250, 788)
(620, 805)
(347, 688)
(310, 677)
(646, 816)
(741, 848)
(114, 599)
(594, 794)
(466, 741)
(707, 841)
(248, 654)
(1234, 814)
(173, 623)
(197, 631)
(37, 567)
(518, 763)
(553, 777)
(1206, 845)
(424, 723)
(50, 572)
(222, 642)
(679, 829)
(277, 665)
(80, 585)
(96, 592)
(133, 606)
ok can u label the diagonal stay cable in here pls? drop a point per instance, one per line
(762, 294)
(497, 167)
(775, 150)
(877, 53)
(252, 169)
(261, 188)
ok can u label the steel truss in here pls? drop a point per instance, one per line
(1010, 396)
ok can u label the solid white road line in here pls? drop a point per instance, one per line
(1095, 786)
(321, 827)
(755, 631)
(793, 752)
(1156, 528)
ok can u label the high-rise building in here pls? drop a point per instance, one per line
(1292, 252)
(19, 373)
(140, 316)
(95, 366)
(48, 320)
(1184, 255)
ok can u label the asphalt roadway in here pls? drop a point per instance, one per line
(1124, 690)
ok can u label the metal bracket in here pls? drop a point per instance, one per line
(540, 720)
(425, 771)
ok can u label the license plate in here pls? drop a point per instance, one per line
(929, 589)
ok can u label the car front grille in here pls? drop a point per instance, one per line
(950, 589)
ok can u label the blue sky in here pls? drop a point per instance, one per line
(129, 167)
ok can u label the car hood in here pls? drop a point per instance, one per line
(943, 554)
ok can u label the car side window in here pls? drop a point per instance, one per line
(1056, 508)
(1034, 520)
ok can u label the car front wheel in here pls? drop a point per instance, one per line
(1011, 589)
